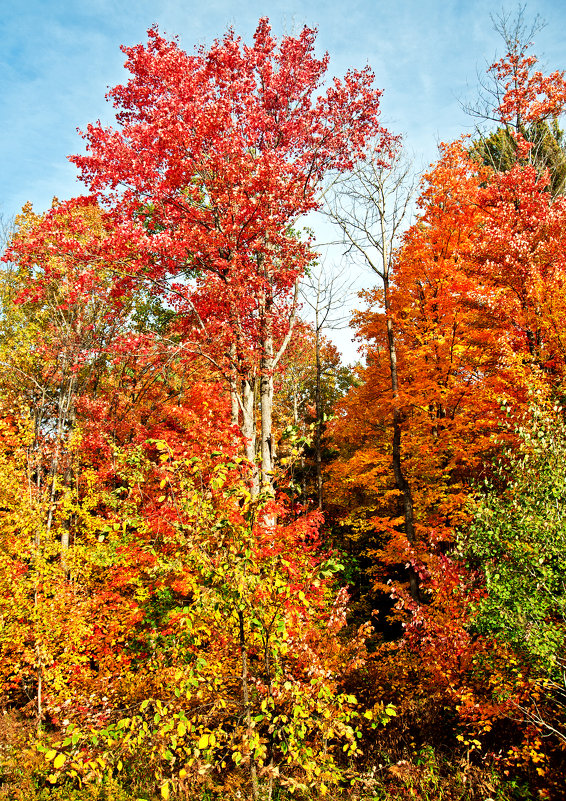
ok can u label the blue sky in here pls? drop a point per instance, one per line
(58, 58)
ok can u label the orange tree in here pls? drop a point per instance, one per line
(476, 299)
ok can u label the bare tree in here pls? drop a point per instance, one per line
(371, 208)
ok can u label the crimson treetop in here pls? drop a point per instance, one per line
(214, 158)
(226, 147)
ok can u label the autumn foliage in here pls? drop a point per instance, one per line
(179, 617)
(476, 302)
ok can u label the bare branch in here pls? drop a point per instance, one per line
(371, 208)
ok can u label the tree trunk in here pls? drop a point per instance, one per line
(248, 429)
(266, 399)
(319, 418)
(266, 390)
(246, 702)
(400, 481)
(266, 404)
(234, 406)
(66, 523)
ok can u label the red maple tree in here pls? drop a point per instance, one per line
(214, 159)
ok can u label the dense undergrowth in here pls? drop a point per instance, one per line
(388, 771)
